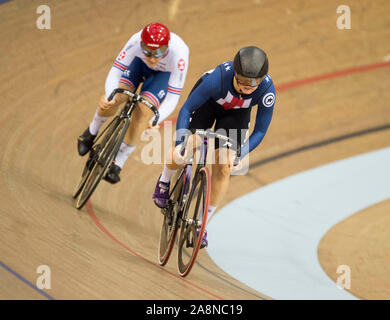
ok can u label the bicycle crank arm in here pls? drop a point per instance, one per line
(192, 221)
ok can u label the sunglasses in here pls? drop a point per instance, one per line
(158, 53)
(249, 82)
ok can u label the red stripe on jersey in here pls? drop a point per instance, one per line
(119, 66)
(174, 90)
(128, 82)
(151, 96)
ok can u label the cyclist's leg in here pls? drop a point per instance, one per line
(234, 124)
(203, 118)
(130, 80)
(85, 140)
(154, 84)
(220, 175)
(139, 122)
(173, 162)
(154, 90)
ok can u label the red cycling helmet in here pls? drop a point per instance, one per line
(154, 39)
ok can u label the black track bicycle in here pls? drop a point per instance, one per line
(106, 146)
(187, 208)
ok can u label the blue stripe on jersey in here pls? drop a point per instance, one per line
(175, 88)
(117, 67)
(173, 92)
(121, 64)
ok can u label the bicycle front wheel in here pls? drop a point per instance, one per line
(170, 223)
(195, 214)
(101, 139)
(103, 155)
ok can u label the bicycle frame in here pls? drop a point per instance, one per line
(187, 171)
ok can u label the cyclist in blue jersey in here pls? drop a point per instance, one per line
(224, 96)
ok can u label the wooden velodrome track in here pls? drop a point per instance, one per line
(50, 82)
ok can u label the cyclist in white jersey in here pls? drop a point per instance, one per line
(159, 59)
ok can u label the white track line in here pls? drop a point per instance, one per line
(268, 239)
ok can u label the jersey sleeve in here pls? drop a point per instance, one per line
(122, 61)
(175, 83)
(263, 119)
(207, 89)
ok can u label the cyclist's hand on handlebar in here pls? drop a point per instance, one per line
(105, 104)
(150, 125)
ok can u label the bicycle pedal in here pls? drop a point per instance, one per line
(189, 244)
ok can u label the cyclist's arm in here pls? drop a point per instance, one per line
(168, 106)
(208, 88)
(263, 119)
(122, 61)
(194, 102)
(175, 84)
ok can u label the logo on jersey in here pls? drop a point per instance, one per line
(161, 94)
(181, 65)
(268, 99)
(231, 102)
(127, 73)
(122, 55)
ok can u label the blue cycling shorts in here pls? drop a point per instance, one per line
(155, 83)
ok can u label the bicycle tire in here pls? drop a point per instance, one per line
(200, 191)
(87, 167)
(170, 223)
(84, 175)
(105, 158)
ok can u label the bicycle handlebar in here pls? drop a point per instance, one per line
(137, 98)
(212, 134)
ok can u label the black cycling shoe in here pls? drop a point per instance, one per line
(112, 175)
(85, 142)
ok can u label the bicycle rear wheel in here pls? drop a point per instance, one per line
(103, 154)
(170, 223)
(195, 214)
